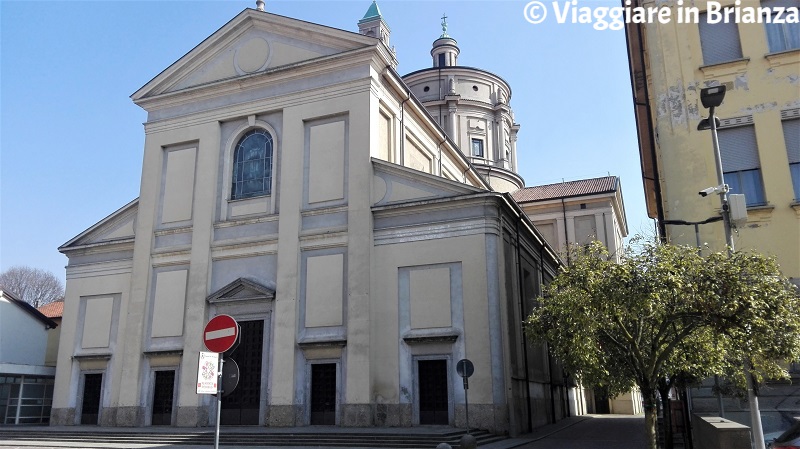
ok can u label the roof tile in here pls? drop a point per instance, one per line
(53, 310)
(567, 189)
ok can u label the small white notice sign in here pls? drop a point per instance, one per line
(208, 373)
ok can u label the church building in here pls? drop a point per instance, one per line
(358, 224)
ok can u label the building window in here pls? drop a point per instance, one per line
(740, 163)
(791, 134)
(781, 36)
(719, 41)
(477, 148)
(441, 59)
(25, 399)
(252, 165)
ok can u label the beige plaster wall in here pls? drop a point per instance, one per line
(385, 348)
(761, 86)
(82, 282)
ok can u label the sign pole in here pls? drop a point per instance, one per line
(466, 401)
(219, 401)
(465, 368)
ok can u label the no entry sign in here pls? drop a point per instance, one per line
(220, 333)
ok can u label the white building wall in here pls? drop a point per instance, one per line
(23, 338)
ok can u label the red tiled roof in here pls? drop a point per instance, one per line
(53, 310)
(567, 189)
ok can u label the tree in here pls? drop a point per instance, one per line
(32, 285)
(666, 312)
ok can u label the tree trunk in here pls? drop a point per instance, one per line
(650, 416)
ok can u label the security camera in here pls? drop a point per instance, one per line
(711, 190)
(708, 191)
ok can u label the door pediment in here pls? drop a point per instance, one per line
(242, 289)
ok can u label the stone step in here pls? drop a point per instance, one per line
(334, 439)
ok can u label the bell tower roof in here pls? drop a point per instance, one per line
(372, 13)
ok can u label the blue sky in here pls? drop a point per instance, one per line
(71, 140)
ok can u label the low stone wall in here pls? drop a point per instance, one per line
(713, 432)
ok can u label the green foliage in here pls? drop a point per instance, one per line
(665, 311)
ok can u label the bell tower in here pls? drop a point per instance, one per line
(373, 25)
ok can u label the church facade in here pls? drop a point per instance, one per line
(293, 180)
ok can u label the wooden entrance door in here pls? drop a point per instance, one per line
(242, 406)
(323, 394)
(163, 391)
(92, 391)
(433, 392)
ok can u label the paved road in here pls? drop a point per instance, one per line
(591, 432)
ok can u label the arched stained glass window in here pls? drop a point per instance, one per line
(252, 165)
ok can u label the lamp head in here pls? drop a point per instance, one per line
(712, 96)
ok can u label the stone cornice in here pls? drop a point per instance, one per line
(121, 244)
(257, 106)
(428, 205)
(456, 70)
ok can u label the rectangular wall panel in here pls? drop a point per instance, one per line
(430, 298)
(168, 303)
(178, 186)
(324, 290)
(585, 229)
(548, 231)
(326, 162)
(384, 137)
(416, 158)
(97, 322)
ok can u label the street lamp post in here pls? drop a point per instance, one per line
(711, 97)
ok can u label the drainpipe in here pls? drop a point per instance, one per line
(439, 147)
(524, 339)
(566, 234)
(403, 129)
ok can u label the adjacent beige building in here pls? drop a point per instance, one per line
(759, 139)
(759, 63)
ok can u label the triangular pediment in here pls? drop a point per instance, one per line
(251, 43)
(393, 184)
(118, 227)
(242, 289)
